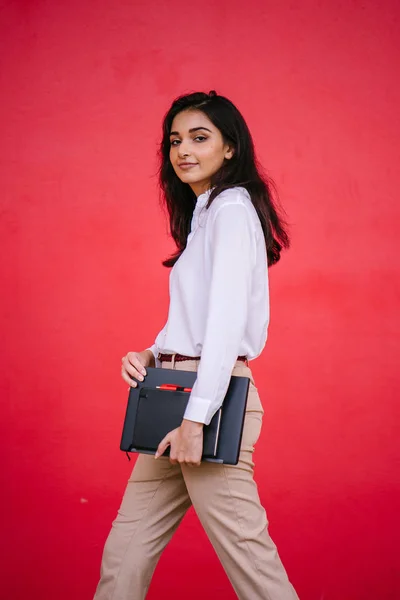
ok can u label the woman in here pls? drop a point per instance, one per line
(227, 231)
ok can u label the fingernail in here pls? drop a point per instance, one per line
(141, 378)
(156, 455)
(143, 371)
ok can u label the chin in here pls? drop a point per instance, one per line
(188, 178)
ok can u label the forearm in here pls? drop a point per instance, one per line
(219, 355)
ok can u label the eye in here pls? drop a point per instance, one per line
(200, 138)
(175, 144)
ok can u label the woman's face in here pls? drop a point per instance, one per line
(197, 149)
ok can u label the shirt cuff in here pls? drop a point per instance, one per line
(197, 410)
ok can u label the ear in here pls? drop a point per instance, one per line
(229, 152)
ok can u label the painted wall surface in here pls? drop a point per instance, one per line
(84, 86)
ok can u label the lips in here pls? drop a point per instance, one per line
(186, 165)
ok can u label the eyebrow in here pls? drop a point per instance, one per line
(191, 130)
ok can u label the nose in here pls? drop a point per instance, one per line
(183, 150)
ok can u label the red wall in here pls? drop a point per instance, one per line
(84, 86)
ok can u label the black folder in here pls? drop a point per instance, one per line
(153, 412)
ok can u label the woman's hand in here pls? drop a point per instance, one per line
(186, 444)
(134, 366)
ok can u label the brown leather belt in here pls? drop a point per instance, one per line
(181, 357)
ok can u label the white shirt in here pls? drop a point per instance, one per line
(219, 297)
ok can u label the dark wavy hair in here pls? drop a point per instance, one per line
(240, 170)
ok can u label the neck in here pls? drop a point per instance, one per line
(200, 188)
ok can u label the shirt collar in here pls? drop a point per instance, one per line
(203, 198)
(198, 209)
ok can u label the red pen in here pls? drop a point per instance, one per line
(173, 388)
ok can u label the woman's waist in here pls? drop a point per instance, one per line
(188, 339)
(192, 364)
(177, 357)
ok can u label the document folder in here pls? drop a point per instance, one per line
(152, 412)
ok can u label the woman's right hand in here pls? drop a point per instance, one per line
(134, 366)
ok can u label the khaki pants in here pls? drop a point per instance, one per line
(226, 501)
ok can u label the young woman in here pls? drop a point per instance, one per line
(227, 231)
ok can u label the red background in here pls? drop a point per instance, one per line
(84, 86)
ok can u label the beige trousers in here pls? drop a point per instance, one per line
(227, 503)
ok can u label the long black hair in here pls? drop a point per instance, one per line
(240, 170)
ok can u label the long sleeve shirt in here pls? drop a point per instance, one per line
(219, 297)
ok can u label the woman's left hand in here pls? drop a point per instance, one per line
(186, 444)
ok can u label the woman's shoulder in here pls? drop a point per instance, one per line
(233, 195)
